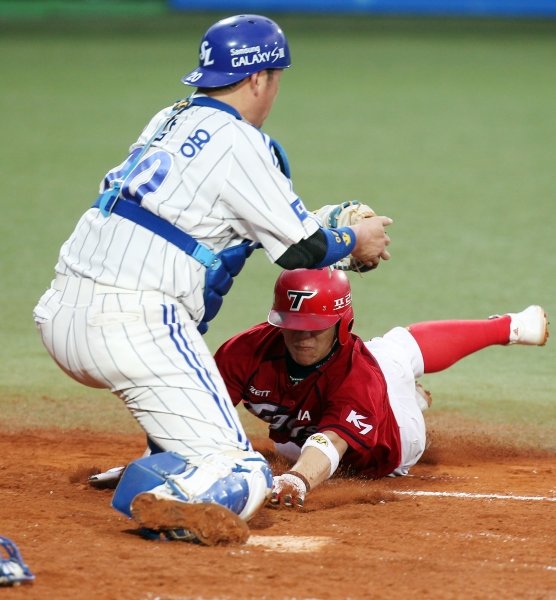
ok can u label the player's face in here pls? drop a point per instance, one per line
(309, 347)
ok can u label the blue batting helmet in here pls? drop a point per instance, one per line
(237, 47)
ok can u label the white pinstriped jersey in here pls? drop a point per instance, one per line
(210, 174)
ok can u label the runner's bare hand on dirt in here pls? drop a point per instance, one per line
(288, 490)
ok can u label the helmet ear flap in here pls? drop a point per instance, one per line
(345, 326)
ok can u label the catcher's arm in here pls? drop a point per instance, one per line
(319, 458)
(369, 229)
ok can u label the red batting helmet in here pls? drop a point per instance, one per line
(311, 300)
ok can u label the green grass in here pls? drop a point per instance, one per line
(446, 126)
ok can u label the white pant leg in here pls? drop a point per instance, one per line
(401, 362)
(143, 347)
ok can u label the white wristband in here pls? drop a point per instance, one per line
(322, 442)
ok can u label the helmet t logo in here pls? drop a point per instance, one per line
(297, 297)
(205, 54)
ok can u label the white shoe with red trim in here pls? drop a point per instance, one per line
(529, 327)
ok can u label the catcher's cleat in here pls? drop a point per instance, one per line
(423, 397)
(528, 327)
(210, 524)
(107, 480)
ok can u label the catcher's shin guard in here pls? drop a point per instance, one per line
(143, 475)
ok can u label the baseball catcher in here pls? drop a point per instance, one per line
(149, 262)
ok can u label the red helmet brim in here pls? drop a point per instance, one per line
(300, 321)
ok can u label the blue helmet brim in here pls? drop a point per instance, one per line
(205, 78)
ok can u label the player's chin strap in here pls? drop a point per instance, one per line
(221, 267)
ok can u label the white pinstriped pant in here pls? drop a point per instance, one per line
(144, 347)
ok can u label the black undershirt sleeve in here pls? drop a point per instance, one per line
(305, 254)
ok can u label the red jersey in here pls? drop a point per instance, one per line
(346, 395)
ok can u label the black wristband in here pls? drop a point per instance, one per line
(302, 477)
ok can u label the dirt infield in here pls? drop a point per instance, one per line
(476, 519)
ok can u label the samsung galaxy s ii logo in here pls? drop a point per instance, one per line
(247, 60)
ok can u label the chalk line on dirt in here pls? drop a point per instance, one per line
(475, 496)
(287, 543)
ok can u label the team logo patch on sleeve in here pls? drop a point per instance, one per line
(358, 420)
(299, 209)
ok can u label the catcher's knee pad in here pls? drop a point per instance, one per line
(239, 481)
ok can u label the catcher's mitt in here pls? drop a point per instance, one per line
(345, 215)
